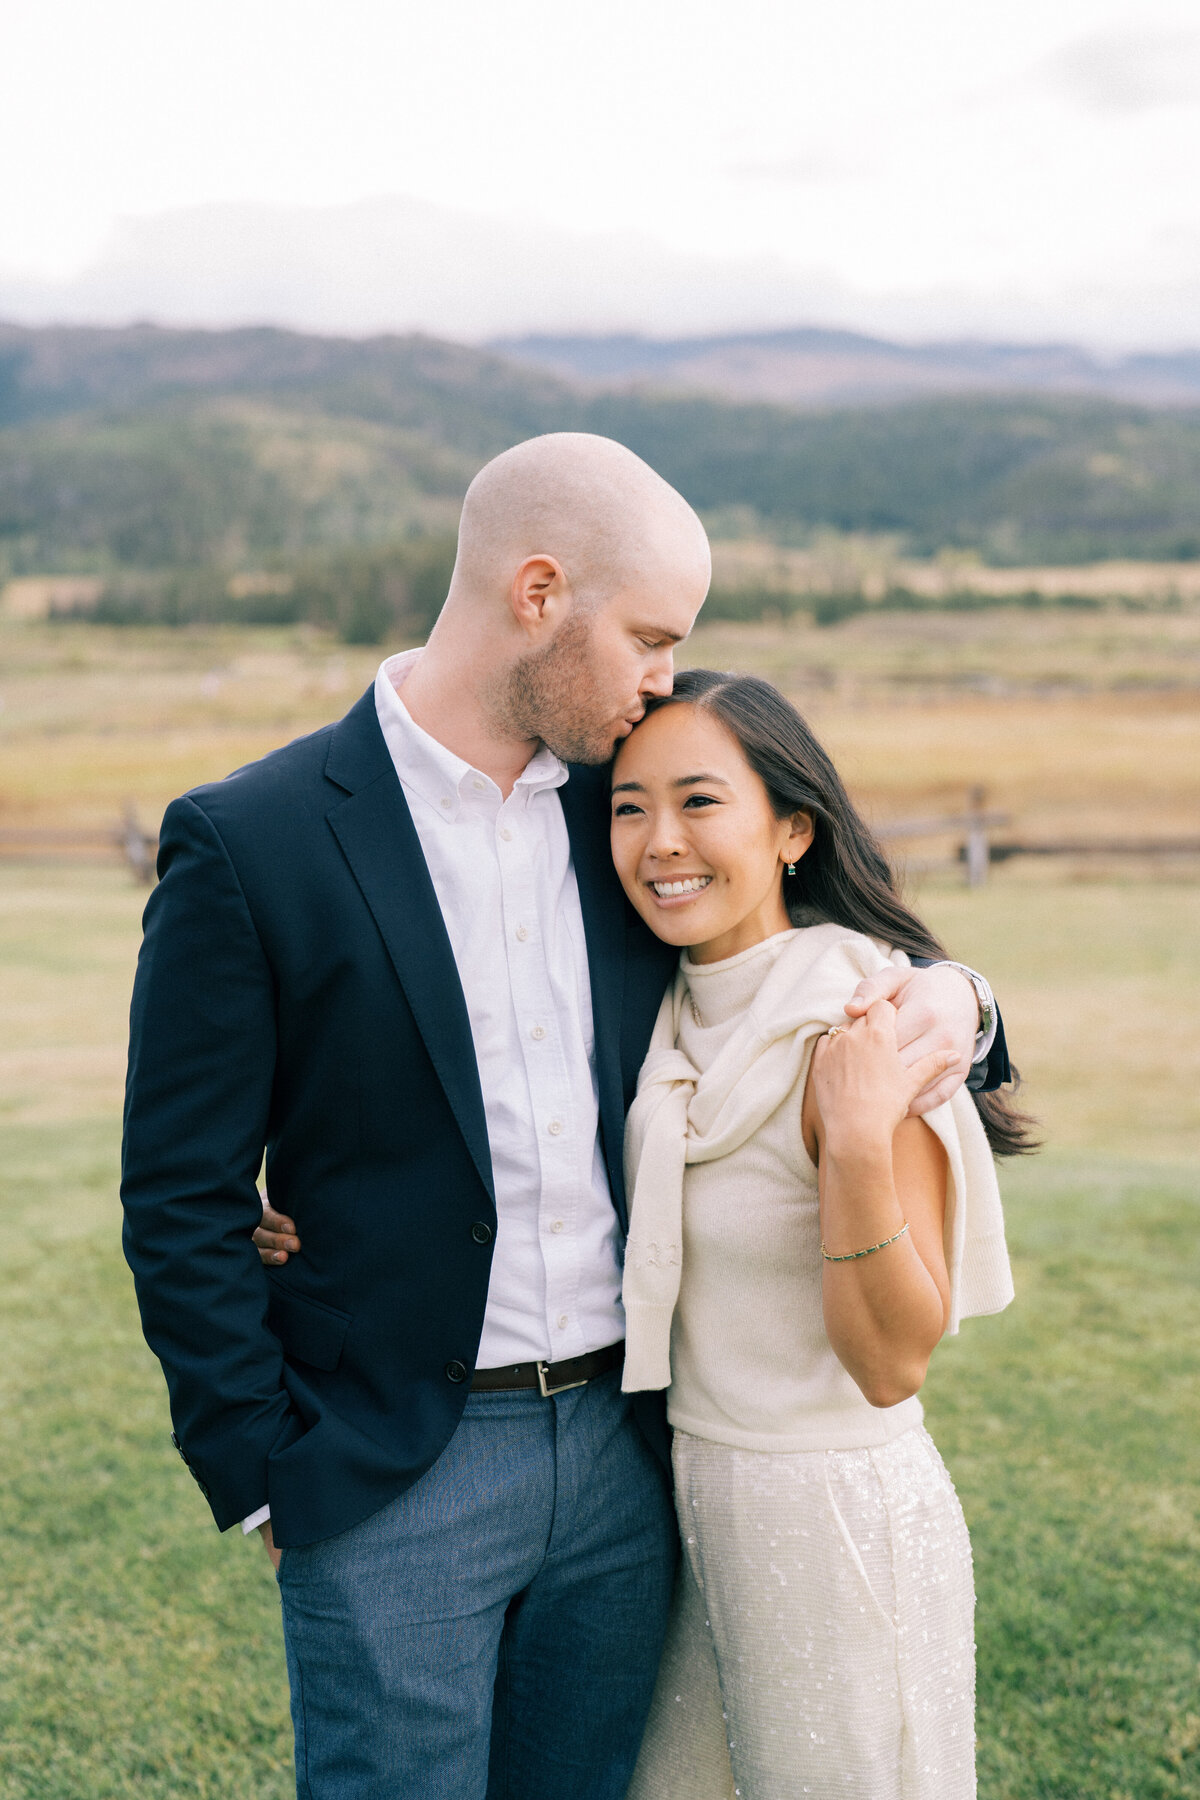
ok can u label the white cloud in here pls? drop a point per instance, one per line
(817, 164)
(1127, 71)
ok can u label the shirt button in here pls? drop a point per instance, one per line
(554, 1127)
(456, 1371)
(522, 932)
(506, 834)
(479, 784)
(557, 1225)
(537, 1032)
(446, 801)
(562, 1321)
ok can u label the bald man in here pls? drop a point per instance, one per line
(394, 956)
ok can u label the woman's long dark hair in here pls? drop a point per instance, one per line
(844, 877)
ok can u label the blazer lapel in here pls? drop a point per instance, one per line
(375, 829)
(585, 807)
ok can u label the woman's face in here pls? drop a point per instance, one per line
(695, 841)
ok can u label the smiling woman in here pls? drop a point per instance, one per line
(798, 1246)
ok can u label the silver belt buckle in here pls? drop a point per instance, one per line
(547, 1391)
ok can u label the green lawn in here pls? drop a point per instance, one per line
(140, 1652)
(1071, 1425)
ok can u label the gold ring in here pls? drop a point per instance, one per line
(835, 1029)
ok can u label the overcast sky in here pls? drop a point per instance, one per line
(1038, 149)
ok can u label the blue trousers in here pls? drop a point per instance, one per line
(493, 1633)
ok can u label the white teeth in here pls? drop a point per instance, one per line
(667, 890)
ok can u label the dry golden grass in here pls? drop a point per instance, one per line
(93, 717)
(840, 562)
(68, 944)
(1080, 725)
(1098, 983)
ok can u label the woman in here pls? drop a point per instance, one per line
(797, 1248)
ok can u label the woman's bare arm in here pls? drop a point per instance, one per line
(884, 1312)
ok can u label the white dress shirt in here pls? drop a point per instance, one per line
(505, 884)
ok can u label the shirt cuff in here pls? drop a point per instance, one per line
(255, 1519)
(983, 1039)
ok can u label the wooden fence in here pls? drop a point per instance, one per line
(978, 847)
(124, 841)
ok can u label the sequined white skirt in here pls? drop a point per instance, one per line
(822, 1639)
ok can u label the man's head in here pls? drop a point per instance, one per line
(580, 569)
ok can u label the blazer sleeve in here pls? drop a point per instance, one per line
(201, 1067)
(995, 1070)
(992, 1070)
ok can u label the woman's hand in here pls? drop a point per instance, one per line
(861, 1083)
(937, 1010)
(276, 1237)
(883, 1183)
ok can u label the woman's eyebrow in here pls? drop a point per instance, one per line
(635, 787)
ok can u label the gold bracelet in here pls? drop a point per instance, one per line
(853, 1255)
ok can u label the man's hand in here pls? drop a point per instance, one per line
(936, 1009)
(268, 1538)
(276, 1237)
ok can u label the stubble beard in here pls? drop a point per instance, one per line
(551, 694)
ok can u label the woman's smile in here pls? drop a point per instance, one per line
(678, 889)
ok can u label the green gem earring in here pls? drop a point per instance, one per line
(791, 868)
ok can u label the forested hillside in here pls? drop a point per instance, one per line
(153, 450)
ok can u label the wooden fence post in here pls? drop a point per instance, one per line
(977, 839)
(132, 840)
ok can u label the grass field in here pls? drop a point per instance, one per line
(140, 1652)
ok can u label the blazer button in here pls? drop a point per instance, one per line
(481, 1233)
(456, 1371)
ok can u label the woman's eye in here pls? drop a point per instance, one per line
(625, 810)
(694, 800)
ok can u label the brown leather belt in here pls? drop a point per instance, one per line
(551, 1378)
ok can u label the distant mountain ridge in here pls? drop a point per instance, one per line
(52, 369)
(148, 448)
(811, 367)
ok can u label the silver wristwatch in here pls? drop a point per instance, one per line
(987, 1008)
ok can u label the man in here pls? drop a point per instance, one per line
(395, 955)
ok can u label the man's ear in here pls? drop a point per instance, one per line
(539, 595)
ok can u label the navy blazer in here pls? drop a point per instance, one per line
(296, 991)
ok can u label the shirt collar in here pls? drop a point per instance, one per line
(440, 777)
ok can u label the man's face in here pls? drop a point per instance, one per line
(588, 688)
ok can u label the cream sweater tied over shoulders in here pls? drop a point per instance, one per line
(722, 1286)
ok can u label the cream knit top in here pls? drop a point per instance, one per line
(722, 1285)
